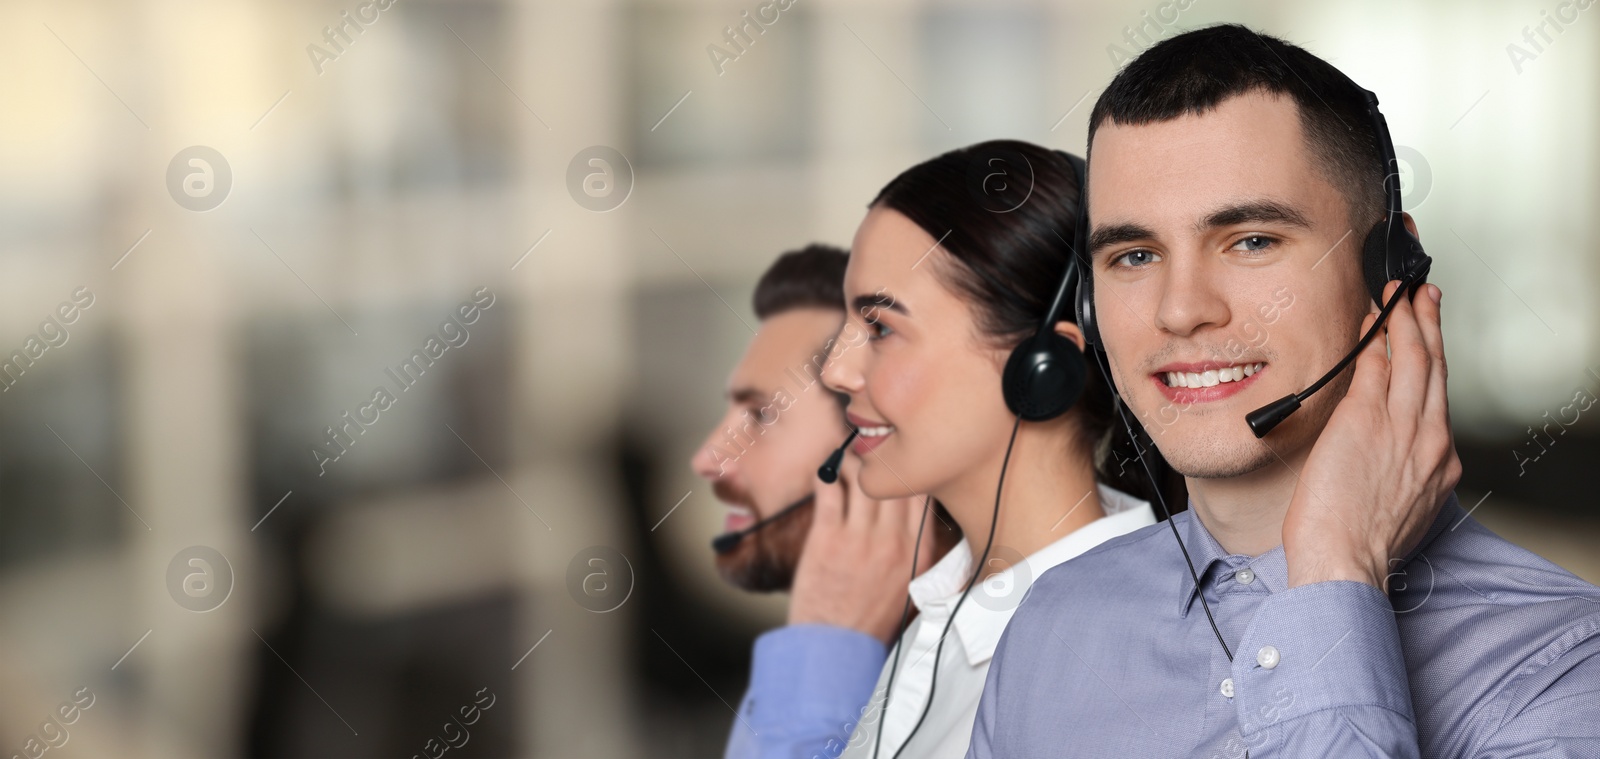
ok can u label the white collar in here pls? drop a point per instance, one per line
(992, 602)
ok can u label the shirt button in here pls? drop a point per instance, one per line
(1245, 576)
(1267, 657)
(1227, 688)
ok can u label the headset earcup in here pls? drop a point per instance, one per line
(1406, 258)
(1375, 260)
(1043, 377)
(1391, 252)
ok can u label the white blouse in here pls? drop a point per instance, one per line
(964, 663)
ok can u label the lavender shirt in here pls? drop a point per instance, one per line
(1481, 649)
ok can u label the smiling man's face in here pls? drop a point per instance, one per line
(764, 452)
(1220, 251)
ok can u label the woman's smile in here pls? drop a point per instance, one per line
(871, 433)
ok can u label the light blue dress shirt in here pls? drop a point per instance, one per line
(1481, 650)
(808, 687)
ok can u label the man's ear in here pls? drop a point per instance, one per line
(1071, 332)
(1411, 224)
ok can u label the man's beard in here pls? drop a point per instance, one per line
(765, 560)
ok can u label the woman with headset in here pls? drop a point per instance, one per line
(965, 257)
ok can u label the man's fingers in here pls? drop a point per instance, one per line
(1430, 320)
(1410, 361)
(1371, 378)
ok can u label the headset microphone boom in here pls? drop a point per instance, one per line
(828, 472)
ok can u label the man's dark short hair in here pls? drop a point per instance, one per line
(811, 277)
(1196, 71)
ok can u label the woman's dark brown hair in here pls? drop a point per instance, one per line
(1006, 211)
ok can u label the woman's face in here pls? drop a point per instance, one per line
(924, 387)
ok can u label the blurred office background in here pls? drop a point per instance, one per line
(170, 543)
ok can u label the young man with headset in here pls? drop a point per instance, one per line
(1325, 594)
(786, 531)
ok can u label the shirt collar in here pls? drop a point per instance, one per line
(1271, 568)
(1204, 551)
(979, 625)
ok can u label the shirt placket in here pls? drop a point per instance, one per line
(1234, 593)
(911, 687)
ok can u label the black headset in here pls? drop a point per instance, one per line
(1045, 374)
(1390, 251)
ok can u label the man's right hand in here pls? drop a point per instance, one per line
(857, 558)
